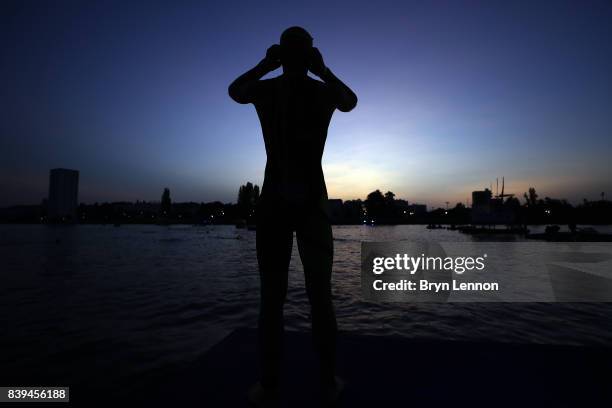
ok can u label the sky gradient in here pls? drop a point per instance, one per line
(451, 96)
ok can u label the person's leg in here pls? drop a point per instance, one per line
(315, 244)
(274, 241)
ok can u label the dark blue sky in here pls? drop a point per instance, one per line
(451, 95)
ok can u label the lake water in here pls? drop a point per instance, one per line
(138, 297)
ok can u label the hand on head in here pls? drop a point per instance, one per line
(317, 66)
(295, 53)
(272, 58)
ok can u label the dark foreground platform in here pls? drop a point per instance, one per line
(395, 372)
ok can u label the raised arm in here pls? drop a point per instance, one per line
(243, 88)
(344, 97)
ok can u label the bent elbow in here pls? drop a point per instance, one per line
(348, 105)
(234, 92)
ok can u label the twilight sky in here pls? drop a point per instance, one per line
(451, 96)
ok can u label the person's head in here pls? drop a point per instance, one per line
(296, 46)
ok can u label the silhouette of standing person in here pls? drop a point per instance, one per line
(295, 111)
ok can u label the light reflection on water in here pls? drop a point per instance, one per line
(140, 296)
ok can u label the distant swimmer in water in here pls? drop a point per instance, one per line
(294, 111)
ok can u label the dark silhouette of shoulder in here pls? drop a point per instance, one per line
(268, 89)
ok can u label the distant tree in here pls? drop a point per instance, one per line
(375, 205)
(248, 195)
(255, 196)
(459, 214)
(459, 207)
(391, 208)
(166, 202)
(531, 199)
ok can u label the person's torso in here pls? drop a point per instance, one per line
(294, 116)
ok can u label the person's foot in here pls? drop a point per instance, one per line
(333, 393)
(262, 397)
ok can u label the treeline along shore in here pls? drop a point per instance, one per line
(376, 209)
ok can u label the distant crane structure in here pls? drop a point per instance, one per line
(489, 209)
(502, 195)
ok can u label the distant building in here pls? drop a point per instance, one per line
(63, 195)
(481, 198)
(482, 212)
(487, 209)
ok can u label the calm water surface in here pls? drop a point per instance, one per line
(139, 297)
